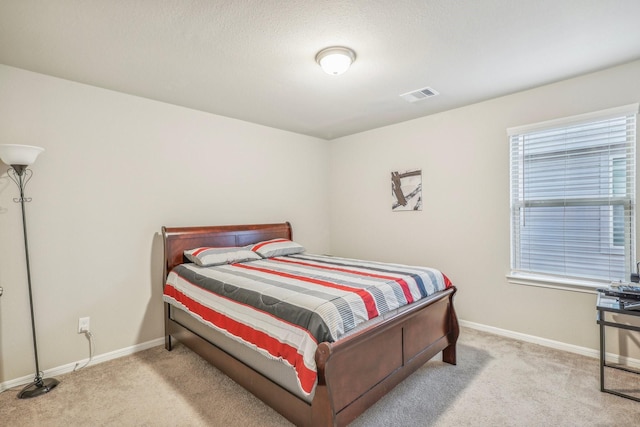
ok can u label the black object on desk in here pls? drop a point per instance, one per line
(625, 292)
(612, 304)
(630, 304)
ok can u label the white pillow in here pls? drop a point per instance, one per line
(206, 257)
(277, 247)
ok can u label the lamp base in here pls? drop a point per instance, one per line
(38, 388)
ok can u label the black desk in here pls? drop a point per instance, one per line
(611, 304)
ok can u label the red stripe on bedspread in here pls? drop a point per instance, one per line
(367, 298)
(447, 283)
(306, 376)
(399, 280)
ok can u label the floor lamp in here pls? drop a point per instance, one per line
(19, 157)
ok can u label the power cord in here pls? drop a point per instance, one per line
(89, 335)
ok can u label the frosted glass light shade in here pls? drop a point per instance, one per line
(335, 60)
(15, 154)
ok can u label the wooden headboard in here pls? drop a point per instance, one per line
(179, 239)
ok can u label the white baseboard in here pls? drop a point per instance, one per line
(584, 351)
(65, 369)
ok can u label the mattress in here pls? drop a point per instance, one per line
(281, 308)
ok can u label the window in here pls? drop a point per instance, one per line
(573, 198)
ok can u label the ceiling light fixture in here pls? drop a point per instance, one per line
(335, 60)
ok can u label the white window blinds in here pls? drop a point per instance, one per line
(573, 197)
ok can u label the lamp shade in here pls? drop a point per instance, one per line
(335, 60)
(15, 154)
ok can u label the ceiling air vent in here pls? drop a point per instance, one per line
(418, 95)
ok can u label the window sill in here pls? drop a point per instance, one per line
(573, 285)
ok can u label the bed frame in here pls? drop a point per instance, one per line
(354, 372)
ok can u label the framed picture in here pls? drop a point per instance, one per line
(406, 190)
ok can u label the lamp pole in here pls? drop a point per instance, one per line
(20, 157)
(21, 176)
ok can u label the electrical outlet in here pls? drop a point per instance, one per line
(83, 325)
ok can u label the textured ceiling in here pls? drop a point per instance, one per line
(254, 59)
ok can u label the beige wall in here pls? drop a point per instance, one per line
(464, 225)
(116, 168)
(119, 167)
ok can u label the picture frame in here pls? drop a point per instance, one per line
(406, 190)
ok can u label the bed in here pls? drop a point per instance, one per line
(351, 373)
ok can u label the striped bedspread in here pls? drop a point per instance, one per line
(284, 306)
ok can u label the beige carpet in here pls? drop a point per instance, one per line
(497, 382)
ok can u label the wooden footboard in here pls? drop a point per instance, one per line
(358, 370)
(354, 372)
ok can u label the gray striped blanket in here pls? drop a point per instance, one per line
(284, 306)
